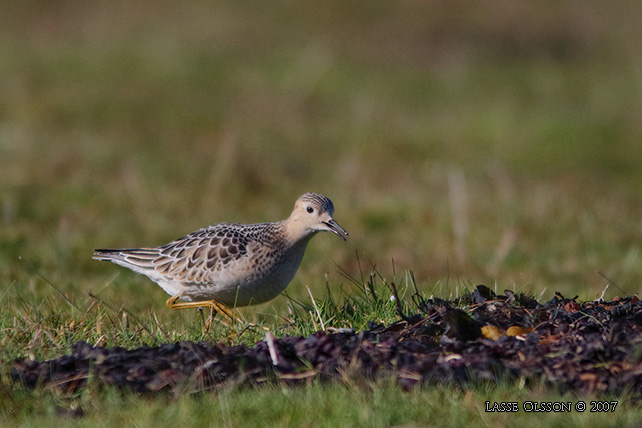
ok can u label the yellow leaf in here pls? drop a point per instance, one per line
(492, 332)
(516, 330)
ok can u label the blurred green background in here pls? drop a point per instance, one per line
(468, 142)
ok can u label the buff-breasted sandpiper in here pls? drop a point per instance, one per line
(228, 265)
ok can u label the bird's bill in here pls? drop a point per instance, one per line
(334, 227)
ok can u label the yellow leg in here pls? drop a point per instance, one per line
(212, 304)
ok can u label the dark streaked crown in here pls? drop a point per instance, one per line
(318, 199)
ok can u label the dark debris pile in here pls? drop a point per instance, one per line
(591, 347)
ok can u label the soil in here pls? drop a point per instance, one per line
(583, 347)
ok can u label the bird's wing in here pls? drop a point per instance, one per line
(196, 258)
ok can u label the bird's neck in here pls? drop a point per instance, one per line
(295, 234)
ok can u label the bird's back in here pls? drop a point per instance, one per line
(236, 264)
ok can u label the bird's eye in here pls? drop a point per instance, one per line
(310, 210)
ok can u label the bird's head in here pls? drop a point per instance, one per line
(313, 213)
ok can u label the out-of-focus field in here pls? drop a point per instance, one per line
(468, 143)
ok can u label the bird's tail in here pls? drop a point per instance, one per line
(110, 254)
(142, 257)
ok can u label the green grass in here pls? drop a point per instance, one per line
(319, 405)
(453, 142)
